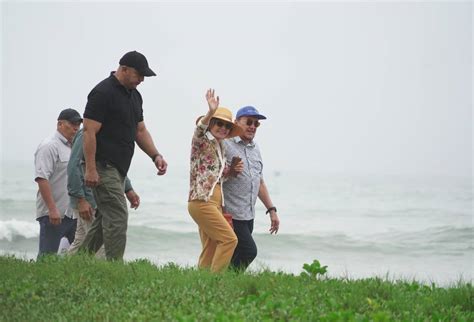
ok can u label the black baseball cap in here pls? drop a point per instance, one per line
(70, 115)
(138, 61)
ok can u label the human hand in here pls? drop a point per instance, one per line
(54, 217)
(275, 222)
(91, 177)
(161, 165)
(133, 198)
(212, 101)
(85, 209)
(236, 167)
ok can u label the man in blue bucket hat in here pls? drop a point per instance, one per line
(241, 191)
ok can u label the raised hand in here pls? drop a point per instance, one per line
(212, 101)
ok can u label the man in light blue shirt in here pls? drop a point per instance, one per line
(241, 191)
(82, 199)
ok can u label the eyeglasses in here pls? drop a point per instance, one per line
(227, 125)
(255, 123)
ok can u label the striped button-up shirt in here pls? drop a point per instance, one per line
(241, 192)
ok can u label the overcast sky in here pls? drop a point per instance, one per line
(354, 87)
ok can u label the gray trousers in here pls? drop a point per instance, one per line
(109, 227)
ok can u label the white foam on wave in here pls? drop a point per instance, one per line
(13, 228)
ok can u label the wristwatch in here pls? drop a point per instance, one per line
(270, 209)
(153, 157)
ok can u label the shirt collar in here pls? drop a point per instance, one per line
(210, 136)
(62, 138)
(116, 83)
(113, 78)
(238, 140)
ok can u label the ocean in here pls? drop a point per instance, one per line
(396, 227)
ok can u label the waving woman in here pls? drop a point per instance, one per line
(205, 196)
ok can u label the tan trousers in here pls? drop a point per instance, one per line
(82, 228)
(217, 237)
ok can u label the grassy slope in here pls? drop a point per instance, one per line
(81, 288)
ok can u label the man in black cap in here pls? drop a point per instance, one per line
(113, 122)
(52, 201)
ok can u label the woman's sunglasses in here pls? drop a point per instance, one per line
(227, 125)
(255, 123)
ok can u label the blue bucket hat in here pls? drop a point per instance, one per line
(249, 111)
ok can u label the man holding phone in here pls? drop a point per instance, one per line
(242, 189)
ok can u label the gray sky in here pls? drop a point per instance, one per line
(354, 87)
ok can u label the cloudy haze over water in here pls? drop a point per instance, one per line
(367, 147)
(348, 87)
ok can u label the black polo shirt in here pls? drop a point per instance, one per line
(119, 110)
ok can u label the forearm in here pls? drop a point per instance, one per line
(77, 192)
(145, 142)
(264, 195)
(46, 194)
(90, 148)
(82, 203)
(76, 189)
(205, 120)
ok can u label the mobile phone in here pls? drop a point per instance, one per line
(234, 161)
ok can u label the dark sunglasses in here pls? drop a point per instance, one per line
(255, 123)
(227, 125)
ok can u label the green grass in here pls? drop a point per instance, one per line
(80, 288)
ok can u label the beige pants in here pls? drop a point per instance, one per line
(82, 228)
(217, 237)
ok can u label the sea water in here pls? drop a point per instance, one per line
(400, 227)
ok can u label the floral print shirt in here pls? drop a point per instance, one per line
(207, 164)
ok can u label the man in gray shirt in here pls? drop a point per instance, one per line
(241, 191)
(52, 201)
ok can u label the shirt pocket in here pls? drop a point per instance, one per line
(63, 155)
(256, 168)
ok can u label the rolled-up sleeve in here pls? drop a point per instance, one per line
(200, 130)
(128, 185)
(45, 161)
(75, 179)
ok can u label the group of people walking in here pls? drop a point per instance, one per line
(83, 184)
